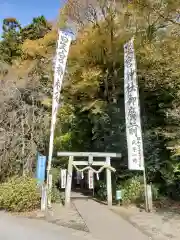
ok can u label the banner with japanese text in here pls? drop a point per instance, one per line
(63, 178)
(62, 50)
(91, 179)
(132, 109)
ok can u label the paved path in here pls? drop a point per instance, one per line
(105, 224)
(102, 223)
(19, 228)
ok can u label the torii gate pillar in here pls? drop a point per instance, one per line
(109, 182)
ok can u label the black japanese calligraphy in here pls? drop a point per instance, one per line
(59, 70)
(57, 85)
(56, 96)
(130, 86)
(61, 57)
(132, 130)
(129, 54)
(55, 110)
(131, 73)
(132, 116)
(134, 142)
(134, 150)
(138, 140)
(64, 39)
(132, 100)
(135, 160)
(131, 78)
(63, 46)
(62, 49)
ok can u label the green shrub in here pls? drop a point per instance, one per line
(101, 190)
(19, 194)
(56, 195)
(132, 191)
(55, 177)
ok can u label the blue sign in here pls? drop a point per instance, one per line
(41, 168)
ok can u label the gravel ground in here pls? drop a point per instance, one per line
(159, 225)
(60, 216)
(66, 217)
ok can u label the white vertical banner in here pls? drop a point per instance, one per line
(91, 179)
(63, 178)
(132, 109)
(62, 50)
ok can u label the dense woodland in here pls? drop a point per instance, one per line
(91, 113)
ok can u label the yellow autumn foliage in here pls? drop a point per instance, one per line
(39, 48)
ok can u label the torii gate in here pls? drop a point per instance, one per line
(106, 164)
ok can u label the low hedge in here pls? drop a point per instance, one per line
(19, 194)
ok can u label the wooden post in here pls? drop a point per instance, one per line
(108, 182)
(49, 191)
(43, 197)
(149, 197)
(145, 190)
(69, 182)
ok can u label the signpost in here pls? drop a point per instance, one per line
(132, 113)
(118, 196)
(40, 176)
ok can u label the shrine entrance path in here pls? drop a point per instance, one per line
(104, 224)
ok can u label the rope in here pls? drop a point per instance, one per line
(96, 172)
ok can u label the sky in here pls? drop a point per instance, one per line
(25, 10)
